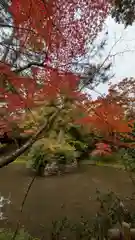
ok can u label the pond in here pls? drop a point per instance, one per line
(52, 198)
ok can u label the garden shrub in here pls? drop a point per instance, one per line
(36, 156)
(127, 159)
(64, 156)
(102, 153)
(82, 140)
(43, 152)
(102, 149)
(81, 149)
(128, 153)
(8, 234)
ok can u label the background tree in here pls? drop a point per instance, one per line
(123, 93)
(123, 11)
(107, 118)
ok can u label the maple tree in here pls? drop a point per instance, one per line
(124, 94)
(36, 65)
(60, 29)
(107, 116)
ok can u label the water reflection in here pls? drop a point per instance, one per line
(3, 204)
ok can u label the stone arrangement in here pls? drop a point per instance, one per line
(54, 169)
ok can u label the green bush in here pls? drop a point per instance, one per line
(43, 152)
(64, 154)
(78, 145)
(8, 234)
(82, 140)
(129, 152)
(127, 159)
(36, 156)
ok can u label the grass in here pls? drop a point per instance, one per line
(21, 159)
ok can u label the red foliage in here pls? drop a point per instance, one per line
(60, 31)
(62, 26)
(26, 93)
(124, 94)
(102, 149)
(108, 118)
(56, 82)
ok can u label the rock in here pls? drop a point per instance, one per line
(51, 169)
(54, 169)
(71, 167)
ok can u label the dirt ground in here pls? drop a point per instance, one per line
(53, 198)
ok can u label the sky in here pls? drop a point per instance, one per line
(121, 44)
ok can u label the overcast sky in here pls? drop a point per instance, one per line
(124, 51)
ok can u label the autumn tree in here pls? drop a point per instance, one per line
(107, 118)
(123, 93)
(43, 40)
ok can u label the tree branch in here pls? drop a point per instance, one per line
(28, 66)
(10, 40)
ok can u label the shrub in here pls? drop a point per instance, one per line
(102, 153)
(78, 145)
(81, 149)
(64, 154)
(22, 235)
(82, 140)
(43, 152)
(128, 153)
(127, 159)
(102, 149)
(36, 156)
